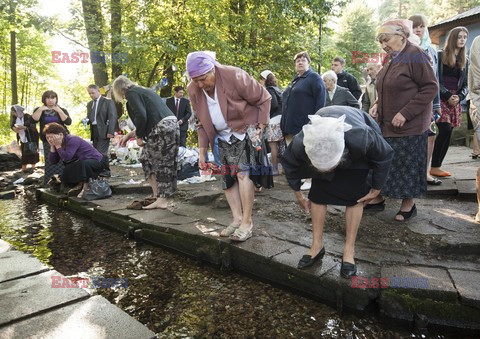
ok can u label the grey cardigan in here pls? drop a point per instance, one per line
(342, 97)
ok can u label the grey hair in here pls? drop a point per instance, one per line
(120, 87)
(330, 75)
(95, 87)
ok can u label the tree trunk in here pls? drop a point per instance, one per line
(116, 28)
(94, 24)
(13, 66)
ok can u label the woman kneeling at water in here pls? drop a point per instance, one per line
(82, 161)
(338, 149)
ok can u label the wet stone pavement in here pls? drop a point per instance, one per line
(440, 245)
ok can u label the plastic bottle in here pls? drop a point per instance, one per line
(255, 136)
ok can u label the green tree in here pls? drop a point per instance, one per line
(356, 36)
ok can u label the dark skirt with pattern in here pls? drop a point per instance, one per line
(346, 187)
(50, 169)
(408, 173)
(28, 158)
(159, 156)
(237, 156)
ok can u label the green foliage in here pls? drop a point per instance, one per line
(6, 133)
(192, 139)
(357, 34)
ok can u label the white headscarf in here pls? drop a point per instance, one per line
(324, 141)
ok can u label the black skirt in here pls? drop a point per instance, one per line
(346, 187)
(82, 170)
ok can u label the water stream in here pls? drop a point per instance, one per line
(173, 295)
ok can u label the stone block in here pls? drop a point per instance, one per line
(16, 264)
(467, 283)
(34, 294)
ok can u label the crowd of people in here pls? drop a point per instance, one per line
(346, 147)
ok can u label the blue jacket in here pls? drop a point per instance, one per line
(303, 97)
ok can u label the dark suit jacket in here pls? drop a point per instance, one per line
(342, 97)
(106, 116)
(184, 111)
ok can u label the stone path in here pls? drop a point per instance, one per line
(32, 308)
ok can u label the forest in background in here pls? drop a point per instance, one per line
(156, 36)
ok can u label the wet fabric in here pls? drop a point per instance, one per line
(159, 156)
(236, 156)
(408, 173)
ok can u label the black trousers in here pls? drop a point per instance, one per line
(183, 138)
(442, 142)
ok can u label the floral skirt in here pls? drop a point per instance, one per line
(408, 173)
(451, 114)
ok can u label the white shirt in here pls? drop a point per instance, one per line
(95, 102)
(332, 93)
(223, 131)
(21, 133)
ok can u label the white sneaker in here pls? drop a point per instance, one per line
(306, 186)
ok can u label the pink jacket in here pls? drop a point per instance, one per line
(243, 101)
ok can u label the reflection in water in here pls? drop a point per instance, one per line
(170, 294)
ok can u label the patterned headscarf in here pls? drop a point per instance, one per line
(200, 62)
(19, 110)
(402, 27)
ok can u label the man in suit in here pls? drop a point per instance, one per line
(181, 108)
(337, 95)
(102, 117)
(345, 79)
(370, 95)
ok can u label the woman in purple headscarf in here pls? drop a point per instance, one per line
(24, 126)
(226, 101)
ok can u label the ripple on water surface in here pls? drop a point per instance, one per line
(171, 294)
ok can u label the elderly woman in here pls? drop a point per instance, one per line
(48, 113)
(337, 95)
(274, 133)
(156, 129)
(226, 101)
(406, 87)
(452, 76)
(420, 29)
(82, 161)
(304, 96)
(337, 150)
(24, 126)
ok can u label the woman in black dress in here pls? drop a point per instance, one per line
(24, 126)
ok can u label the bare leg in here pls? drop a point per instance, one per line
(318, 221)
(160, 202)
(247, 194)
(431, 143)
(84, 188)
(406, 206)
(477, 181)
(234, 202)
(274, 152)
(353, 216)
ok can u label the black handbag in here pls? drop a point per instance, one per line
(97, 189)
(29, 147)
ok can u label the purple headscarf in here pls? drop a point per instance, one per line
(19, 110)
(199, 63)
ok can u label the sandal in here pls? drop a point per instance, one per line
(378, 207)
(434, 182)
(229, 230)
(241, 234)
(407, 215)
(136, 205)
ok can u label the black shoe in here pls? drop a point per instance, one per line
(407, 215)
(348, 270)
(475, 156)
(105, 174)
(308, 261)
(378, 207)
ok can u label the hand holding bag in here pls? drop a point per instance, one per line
(97, 189)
